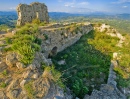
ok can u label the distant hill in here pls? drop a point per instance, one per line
(9, 17)
(60, 15)
(8, 13)
(123, 16)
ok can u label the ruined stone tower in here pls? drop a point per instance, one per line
(27, 13)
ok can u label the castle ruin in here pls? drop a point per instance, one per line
(27, 13)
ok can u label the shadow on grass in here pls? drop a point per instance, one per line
(85, 68)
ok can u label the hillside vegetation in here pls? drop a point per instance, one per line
(87, 62)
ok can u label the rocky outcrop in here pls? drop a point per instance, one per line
(31, 81)
(11, 59)
(27, 13)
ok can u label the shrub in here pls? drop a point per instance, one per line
(36, 21)
(56, 75)
(25, 43)
(27, 53)
(5, 73)
(8, 40)
(38, 41)
(29, 88)
(46, 36)
(3, 84)
(79, 88)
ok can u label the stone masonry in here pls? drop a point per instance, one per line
(27, 13)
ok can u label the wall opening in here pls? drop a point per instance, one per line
(53, 52)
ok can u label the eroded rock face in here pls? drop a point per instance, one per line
(26, 13)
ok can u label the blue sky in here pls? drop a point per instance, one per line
(74, 6)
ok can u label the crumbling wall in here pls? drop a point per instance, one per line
(61, 38)
(27, 13)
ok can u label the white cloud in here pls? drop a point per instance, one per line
(124, 6)
(121, 1)
(84, 3)
(12, 8)
(76, 4)
(69, 4)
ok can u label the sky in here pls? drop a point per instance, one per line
(74, 6)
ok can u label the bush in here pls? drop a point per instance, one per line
(8, 40)
(36, 21)
(3, 84)
(79, 88)
(29, 88)
(46, 36)
(5, 73)
(56, 75)
(25, 43)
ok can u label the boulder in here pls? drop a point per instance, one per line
(62, 62)
(22, 83)
(12, 94)
(35, 76)
(2, 42)
(2, 95)
(27, 74)
(32, 66)
(3, 66)
(14, 32)
(41, 87)
(11, 59)
(58, 97)
(20, 65)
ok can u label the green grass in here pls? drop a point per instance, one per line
(84, 60)
(56, 75)
(3, 85)
(29, 89)
(25, 43)
(89, 58)
(5, 73)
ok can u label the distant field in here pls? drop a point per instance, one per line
(123, 26)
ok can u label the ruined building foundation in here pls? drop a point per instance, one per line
(27, 13)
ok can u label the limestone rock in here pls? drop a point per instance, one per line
(61, 62)
(14, 32)
(2, 95)
(32, 66)
(3, 66)
(58, 97)
(11, 59)
(12, 94)
(20, 65)
(41, 86)
(35, 76)
(27, 74)
(23, 83)
(2, 42)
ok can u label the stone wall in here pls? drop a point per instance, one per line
(109, 90)
(26, 13)
(62, 37)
